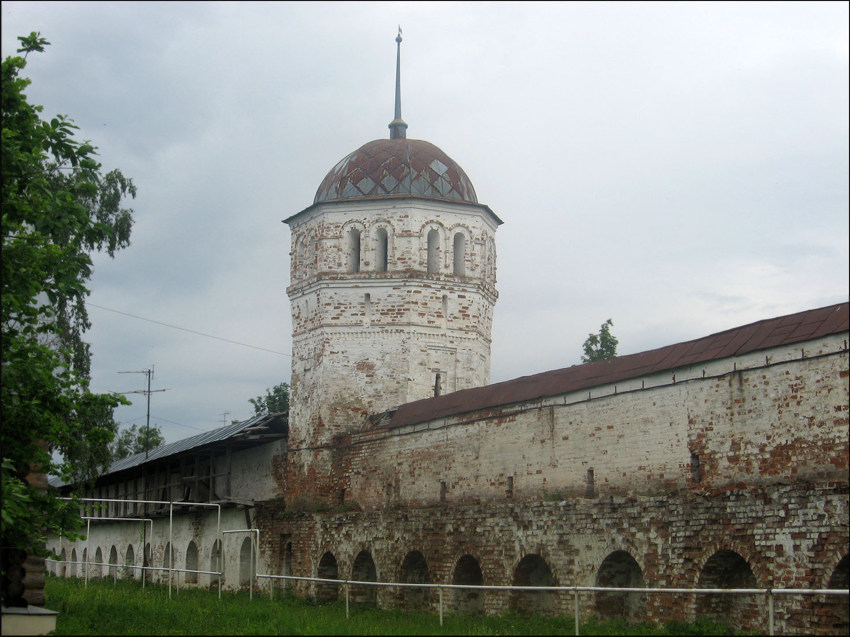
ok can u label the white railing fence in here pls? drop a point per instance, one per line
(575, 591)
(771, 593)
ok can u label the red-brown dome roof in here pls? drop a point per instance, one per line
(396, 167)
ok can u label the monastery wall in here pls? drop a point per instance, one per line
(741, 420)
(193, 536)
(769, 536)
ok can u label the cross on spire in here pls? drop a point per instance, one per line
(398, 127)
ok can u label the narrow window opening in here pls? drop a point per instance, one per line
(590, 492)
(510, 487)
(696, 470)
(354, 251)
(389, 493)
(445, 310)
(433, 252)
(381, 251)
(442, 490)
(367, 308)
(460, 254)
(437, 383)
(341, 497)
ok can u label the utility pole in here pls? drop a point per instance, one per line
(224, 416)
(147, 392)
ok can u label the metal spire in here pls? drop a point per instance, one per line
(398, 127)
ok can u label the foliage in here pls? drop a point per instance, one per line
(57, 208)
(600, 346)
(135, 440)
(276, 401)
(553, 496)
(125, 608)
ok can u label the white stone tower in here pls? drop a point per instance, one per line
(393, 275)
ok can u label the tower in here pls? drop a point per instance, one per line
(393, 273)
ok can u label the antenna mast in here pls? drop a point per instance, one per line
(147, 392)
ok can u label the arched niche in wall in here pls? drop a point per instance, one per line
(97, 567)
(246, 562)
(364, 570)
(382, 243)
(835, 615)
(461, 239)
(353, 234)
(191, 563)
(727, 569)
(215, 562)
(467, 571)
(327, 569)
(147, 562)
(130, 562)
(414, 570)
(432, 264)
(113, 562)
(620, 570)
(533, 570)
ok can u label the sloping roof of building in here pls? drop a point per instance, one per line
(775, 332)
(249, 432)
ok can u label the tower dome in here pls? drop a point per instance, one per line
(393, 168)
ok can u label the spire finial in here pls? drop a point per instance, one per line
(398, 127)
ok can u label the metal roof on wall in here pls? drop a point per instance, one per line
(246, 433)
(784, 330)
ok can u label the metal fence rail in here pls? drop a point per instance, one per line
(575, 590)
(771, 593)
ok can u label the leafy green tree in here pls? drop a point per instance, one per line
(57, 208)
(600, 346)
(276, 401)
(133, 440)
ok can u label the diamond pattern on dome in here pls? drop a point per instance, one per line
(394, 167)
(438, 167)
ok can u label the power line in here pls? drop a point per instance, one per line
(180, 424)
(186, 329)
(141, 417)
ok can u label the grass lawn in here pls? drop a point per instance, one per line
(125, 608)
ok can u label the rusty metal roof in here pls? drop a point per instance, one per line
(249, 432)
(784, 330)
(396, 167)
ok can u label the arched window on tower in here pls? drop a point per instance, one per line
(433, 252)
(354, 250)
(460, 254)
(381, 250)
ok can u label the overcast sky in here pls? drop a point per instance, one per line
(679, 168)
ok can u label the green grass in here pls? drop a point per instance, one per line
(125, 608)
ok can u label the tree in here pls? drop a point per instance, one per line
(276, 401)
(600, 346)
(57, 208)
(135, 440)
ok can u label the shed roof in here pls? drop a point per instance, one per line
(783, 330)
(247, 433)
